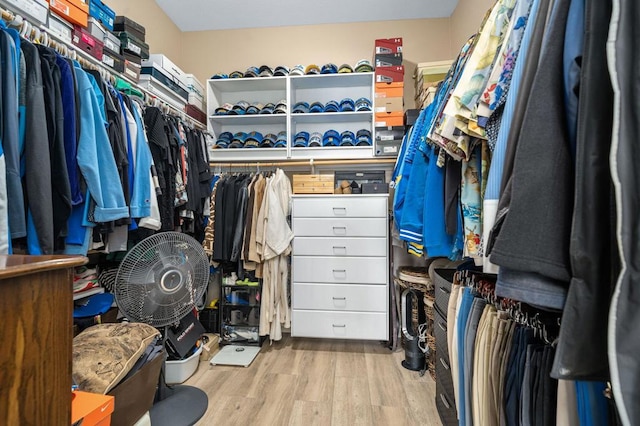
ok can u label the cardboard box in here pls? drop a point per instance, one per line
(389, 104)
(102, 13)
(388, 60)
(389, 90)
(388, 45)
(387, 148)
(92, 408)
(390, 74)
(313, 184)
(390, 133)
(36, 10)
(87, 43)
(386, 119)
(73, 11)
(60, 28)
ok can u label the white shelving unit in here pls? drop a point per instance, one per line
(309, 88)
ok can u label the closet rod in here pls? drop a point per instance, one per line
(15, 20)
(295, 163)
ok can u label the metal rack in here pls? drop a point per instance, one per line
(41, 34)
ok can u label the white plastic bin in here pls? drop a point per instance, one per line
(180, 370)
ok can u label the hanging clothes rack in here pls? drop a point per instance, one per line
(299, 163)
(41, 34)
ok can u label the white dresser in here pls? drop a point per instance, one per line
(340, 267)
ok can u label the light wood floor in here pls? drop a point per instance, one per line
(318, 382)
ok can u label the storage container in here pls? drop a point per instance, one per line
(36, 10)
(313, 184)
(102, 13)
(87, 43)
(73, 11)
(196, 113)
(168, 68)
(131, 44)
(96, 29)
(122, 23)
(155, 87)
(112, 42)
(132, 70)
(60, 28)
(180, 370)
(168, 81)
(113, 60)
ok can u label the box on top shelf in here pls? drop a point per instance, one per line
(102, 13)
(112, 42)
(74, 11)
(388, 45)
(60, 28)
(435, 67)
(96, 29)
(194, 112)
(132, 70)
(196, 91)
(113, 59)
(133, 45)
(389, 74)
(388, 60)
(167, 67)
(36, 10)
(168, 81)
(87, 43)
(122, 23)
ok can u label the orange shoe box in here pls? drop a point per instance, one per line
(74, 11)
(92, 408)
(387, 119)
(390, 90)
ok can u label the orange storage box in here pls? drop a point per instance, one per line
(74, 11)
(390, 90)
(387, 119)
(93, 409)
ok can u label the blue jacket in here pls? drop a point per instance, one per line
(95, 157)
(141, 195)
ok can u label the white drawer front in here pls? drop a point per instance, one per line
(357, 270)
(324, 246)
(340, 297)
(312, 227)
(340, 325)
(340, 206)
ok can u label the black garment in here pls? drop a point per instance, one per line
(242, 199)
(60, 186)
(229, 205)
(624, 337)
(37, 155)
(453, 171)
(582, 347)
(531, 65)
(534, 237)
(219, 219)
(162, 153)
(115, 131)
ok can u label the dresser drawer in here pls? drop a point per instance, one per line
(443, 280)
(340, 325)
(440, 333)
(356, 270)
(340, 297)
(443, 376)
(340, 206)
(314, 227)
(325, 246)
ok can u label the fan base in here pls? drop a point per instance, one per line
(182, 405)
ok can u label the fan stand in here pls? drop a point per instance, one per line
(179, 404)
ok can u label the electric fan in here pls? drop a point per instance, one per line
(158, 282)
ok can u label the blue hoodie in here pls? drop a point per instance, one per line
(98, 167)
(141, 195)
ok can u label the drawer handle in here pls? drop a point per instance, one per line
(340, 271)
(444, 290)
(341, 250)
(440, 324)
(340, 230)
(339, 326)
(340, 211)
(445, 402)
(339, 298)
(444, 364)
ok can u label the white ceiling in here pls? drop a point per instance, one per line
(202, 15)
